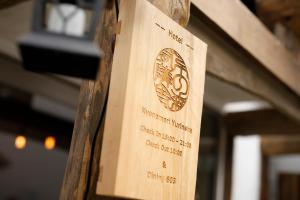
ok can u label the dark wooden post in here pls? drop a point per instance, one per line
(82, 168)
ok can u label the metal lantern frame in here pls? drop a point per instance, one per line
(61, 53)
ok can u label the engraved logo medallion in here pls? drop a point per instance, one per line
(171, 79)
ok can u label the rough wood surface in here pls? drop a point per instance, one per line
(178, 10)
(90, 114)
(82, 168)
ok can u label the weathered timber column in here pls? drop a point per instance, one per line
(178, 10)
(82, 168)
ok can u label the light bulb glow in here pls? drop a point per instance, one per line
(20, 142)
(49, 143)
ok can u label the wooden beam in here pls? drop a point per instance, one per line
(289, 39)
(272, 145)
(228, 62)
(90, 116)
(248, 32)
(82, 169)
(264, 122)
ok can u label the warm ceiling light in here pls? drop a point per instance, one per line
(20, 142)
(49, 142)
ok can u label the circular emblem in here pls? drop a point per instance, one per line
(171, 79)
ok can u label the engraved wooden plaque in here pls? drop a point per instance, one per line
(152, 128)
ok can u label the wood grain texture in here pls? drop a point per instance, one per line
(82, 170)
(157, 83)
(248, 32)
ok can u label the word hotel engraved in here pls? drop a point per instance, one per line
(175, 37)
(171, 79)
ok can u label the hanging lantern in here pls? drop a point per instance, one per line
(62, 37)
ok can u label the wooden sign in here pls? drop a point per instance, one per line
(152, 128)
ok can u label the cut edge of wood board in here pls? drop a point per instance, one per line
(120, 48)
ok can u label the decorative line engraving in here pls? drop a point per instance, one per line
(189, 47)
(160, 26)
(171, 79)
